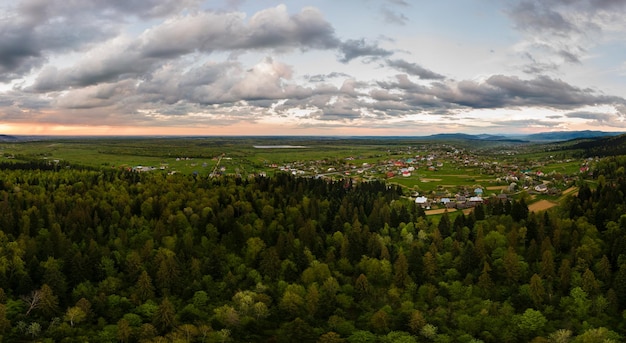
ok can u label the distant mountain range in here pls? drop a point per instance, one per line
(536, 137)
(569, 135)
(464, 136)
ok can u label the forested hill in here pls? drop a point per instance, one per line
(603, 146)
(121, 256)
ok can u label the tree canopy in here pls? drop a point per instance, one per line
(104, 255)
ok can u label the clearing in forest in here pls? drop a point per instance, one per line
(541, 205)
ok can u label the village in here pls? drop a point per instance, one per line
(436, 176)
(445, 177)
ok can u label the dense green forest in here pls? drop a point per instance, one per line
(118, 256)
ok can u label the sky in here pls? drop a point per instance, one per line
(317, 67)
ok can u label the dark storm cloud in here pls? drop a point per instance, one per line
(414, 69)
(355, 48)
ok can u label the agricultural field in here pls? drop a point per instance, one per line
(431, 168)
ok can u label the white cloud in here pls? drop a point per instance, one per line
(166, 62)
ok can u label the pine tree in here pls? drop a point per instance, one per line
(143, 288)
(484, 280)
(537, 291)
(547, 265)
(511, 266)
(401, 271)
(165, 316)
(49, 303)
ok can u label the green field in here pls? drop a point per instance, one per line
(439, 168)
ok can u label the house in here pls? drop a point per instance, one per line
(422, 201)
(478, 191)
(473, 201)
(541, 188)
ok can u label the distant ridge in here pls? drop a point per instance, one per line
(481, 137)
(603, 146)
(569, 135)
(7, 138)
(555, 136)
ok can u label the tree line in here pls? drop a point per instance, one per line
(106, 255)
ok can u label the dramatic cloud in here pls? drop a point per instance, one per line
(268, 29)
(201, 32)
(34, 30)
(203, 64)
(505, 91)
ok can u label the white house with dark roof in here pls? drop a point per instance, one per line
(422, 201)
